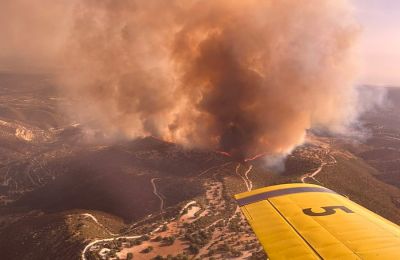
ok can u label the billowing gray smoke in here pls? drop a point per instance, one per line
(246, 77)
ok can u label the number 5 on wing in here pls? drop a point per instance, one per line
(330, 210)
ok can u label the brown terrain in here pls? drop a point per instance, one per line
(63, 196)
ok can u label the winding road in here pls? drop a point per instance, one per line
(247, 182)
(313, 174)
(88, 215)
(103, 240)
(246, 176)
(159, 195)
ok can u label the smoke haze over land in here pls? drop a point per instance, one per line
(245, 77)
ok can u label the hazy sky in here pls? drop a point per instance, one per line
(380, 21)
(34, 37)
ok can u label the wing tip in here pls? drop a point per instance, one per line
(249, 197)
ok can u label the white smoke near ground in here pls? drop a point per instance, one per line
(245, 77)
(275, 163)
(370, 98)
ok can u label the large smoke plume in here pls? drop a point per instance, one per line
(245, 77)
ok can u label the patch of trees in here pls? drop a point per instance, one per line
(164, 228)
(260, 255)
(199, 238)
(234, 225)
(157, 239)
(147, 250)
(170, 257)
(167, 241)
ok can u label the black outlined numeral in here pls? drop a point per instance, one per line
(330, 210)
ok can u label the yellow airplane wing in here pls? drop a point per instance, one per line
(305, 221)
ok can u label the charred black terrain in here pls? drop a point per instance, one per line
(66, 196)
